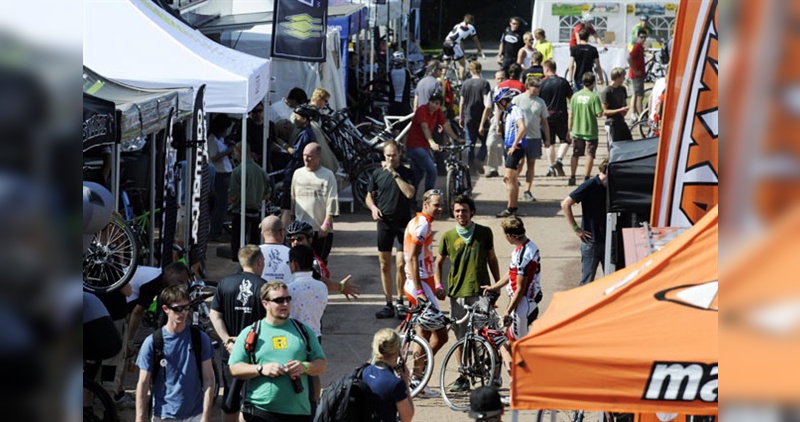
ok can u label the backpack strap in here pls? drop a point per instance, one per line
(299, 327)
(155, 365)
(256, 328)
(197, 350)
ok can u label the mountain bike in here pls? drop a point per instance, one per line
(458, 180)
(111, 258)
(415, 352)
(98, 406)
(474, 361)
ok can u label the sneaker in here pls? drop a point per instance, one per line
(571, 181)
(124, 401)
(559, 168)
(426, 391)
(461, 385)
(506, 400)
(401, 310)
(505, 213)
(386, 312)
(493, 173)
(586, 178)
(498, 383)
(528, 197)
(479, 166)
(551, 172)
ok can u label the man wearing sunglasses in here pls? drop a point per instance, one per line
(279, 358)
(636, 72)
(178, 391)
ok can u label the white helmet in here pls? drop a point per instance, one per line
(97, 207)
(431, 320)
(587, 18)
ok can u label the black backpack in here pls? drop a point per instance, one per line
(347, 399)
(158, 355)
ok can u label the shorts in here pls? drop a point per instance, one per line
(558, 127)
(513, 160)
(389, 232)
(534, 149)
(428, 285)
(196, 418)
(589, 146)
(524, 314)
(638, 86)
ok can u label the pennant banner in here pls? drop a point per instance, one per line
(687, 171)
(201, 185)
(298, 30)
(169, 215)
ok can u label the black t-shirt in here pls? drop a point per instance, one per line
(148, 292)
(555, 91)
(237, 298)
(390, 200)
(116, 304)
(614, 98)
(535, 71)
(584, 55)
(473, 91)
(591, 194)
(512, 42)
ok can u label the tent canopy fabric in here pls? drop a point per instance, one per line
(643, 339)
(142, 111)
(137, 43)
(631, 170)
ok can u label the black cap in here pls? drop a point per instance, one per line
(436, 97)
(484, 402)
(307, 111)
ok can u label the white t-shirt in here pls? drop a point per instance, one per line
(276, 262)
(215, 146)
(309, 299)
(314, 195)
(279, 111)
(534, 111)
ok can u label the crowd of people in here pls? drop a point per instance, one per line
(268, 315)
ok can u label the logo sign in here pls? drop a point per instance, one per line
(299, 30)
(682, 381)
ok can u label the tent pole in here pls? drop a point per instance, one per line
(152, 198)
(243, 183)
(264, 147)
(115, 173)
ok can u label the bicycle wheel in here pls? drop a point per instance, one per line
(219, 380)
(474, 369)
(451, 190)
(643, 129)
(97, 404)
(417, 354)
(360, 182)
(467, 182)
(568, 416)
(110, 261)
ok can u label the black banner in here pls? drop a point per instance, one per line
(298, 30)
(99, 122)
(201, 185)
(169, 214)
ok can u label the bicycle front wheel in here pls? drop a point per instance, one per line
(418, 359)
(110, 261)
(469, 364)
(451, 190)
(643, 129)
(97, 404)
(360, 182)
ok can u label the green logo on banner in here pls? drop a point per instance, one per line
(303, 26)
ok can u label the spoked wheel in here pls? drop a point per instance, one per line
(360, 183)
(97, 404)
(476, 368)
(110, 260)
(642, 128)
(569, 416)
(417, 357)
(451, 190)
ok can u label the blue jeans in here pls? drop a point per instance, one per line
(422, 165)
(472, 137)
(592, 255)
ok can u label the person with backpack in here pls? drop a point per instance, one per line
(175, 366)
(276, 355)
(390, 394)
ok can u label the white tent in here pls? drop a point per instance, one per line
(138, 43)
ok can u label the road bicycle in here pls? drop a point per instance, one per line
(98, 406)
(654, 66)
(392, 127)
(474, 361)
(415, 352)
(458, 181)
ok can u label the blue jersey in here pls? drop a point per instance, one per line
(513, 113)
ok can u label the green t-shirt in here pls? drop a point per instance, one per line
(469, 269)
(585, 106)
(278, 343)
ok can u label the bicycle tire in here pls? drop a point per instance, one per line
(406, 352)
(477, 365)
(568, 416)
(107, 410)
(451, 190)
(111, 259)
(360, 182)
(216, 365)
(643, 128)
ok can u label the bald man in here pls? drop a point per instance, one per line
(315, 199)
(276, 254)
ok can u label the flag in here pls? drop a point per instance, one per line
(298, 30)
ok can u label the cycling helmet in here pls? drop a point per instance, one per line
(496, 337)
(307, 111)
(431, 320)
(398, 57)
(643, 17)
(299, 227)
(587, 18)
(97, 207)
(505, 94)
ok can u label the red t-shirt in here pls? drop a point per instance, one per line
(637, 61)
(513, 84)
(423, 115)
(573, 36)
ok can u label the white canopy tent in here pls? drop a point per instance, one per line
(138, 43)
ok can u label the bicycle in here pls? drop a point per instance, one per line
(414, 348)
(572, 416)
(98, 406)
(458, 180)
(111, 258)
(473, 361)
(654, 67)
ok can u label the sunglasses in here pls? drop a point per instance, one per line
(280, 300)
(432, 192)
(180, 308)
(297, 238)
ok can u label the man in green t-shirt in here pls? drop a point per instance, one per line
(585, 108)
(279, 360)
(470, 248)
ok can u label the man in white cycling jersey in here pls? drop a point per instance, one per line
(459, 33)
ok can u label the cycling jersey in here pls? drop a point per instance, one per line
(460, 33)
(525, 263)
(418, 232)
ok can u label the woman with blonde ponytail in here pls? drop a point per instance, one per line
(391, 396)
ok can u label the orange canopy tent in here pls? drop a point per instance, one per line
(643, 339)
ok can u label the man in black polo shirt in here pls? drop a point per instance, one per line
(390, 191)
